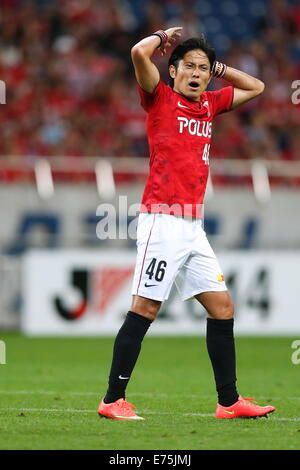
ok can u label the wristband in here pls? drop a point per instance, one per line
(218, 69)
(163, 37)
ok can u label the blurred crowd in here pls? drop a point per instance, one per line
(71, 89)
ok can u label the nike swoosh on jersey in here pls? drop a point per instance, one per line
(182, 105)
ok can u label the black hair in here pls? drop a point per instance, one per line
(189, 45)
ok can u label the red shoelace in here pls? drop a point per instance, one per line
(249, 399)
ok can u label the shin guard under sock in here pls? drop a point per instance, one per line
(221, 350)
(127, 347)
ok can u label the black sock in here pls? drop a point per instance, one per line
(126, 351)
(221, 350)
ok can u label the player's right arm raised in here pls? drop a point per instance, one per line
(146, 72)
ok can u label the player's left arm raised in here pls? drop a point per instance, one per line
(245, 86)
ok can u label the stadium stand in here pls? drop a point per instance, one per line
(71, 88)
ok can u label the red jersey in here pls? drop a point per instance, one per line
(179, 134)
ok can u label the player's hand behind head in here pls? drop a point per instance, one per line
(173, 35)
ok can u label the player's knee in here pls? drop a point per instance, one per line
(146, 307)
(229, 310)
(151, 311)
(225, 312)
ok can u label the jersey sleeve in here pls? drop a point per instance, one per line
(149, 100)
(221, 100)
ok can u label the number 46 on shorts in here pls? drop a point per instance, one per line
(157, 271)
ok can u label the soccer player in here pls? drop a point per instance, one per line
(170, 237)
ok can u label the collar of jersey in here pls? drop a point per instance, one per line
(194, 106)
(199, 103)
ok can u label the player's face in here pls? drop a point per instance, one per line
(192, 75)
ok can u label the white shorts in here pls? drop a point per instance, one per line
(171, 248)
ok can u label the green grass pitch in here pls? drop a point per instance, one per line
(50, 389)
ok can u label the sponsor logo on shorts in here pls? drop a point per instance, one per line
(220, 278)
(149, 285)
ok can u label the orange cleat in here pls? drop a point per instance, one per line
(243, 409)
(120, 409)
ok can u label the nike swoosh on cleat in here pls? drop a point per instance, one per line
(229, 412)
